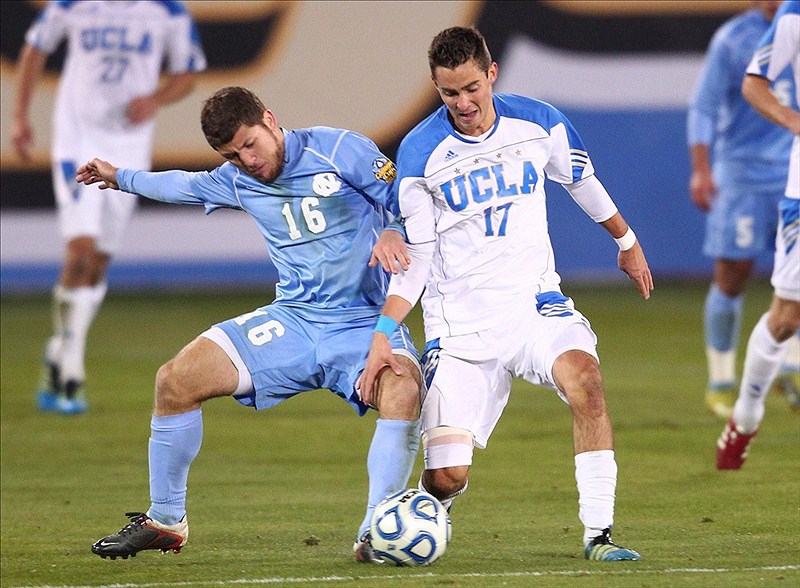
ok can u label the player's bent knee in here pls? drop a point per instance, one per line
(578, 376)
(170, 391)
(783, 319)
(445, 483)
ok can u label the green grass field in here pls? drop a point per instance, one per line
(275, 497)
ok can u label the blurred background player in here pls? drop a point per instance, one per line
(778, 50)
(108, 96)
(739, 162)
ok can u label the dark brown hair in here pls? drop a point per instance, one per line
(227, 110)
(456, 46)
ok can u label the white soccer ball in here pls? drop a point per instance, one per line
(410, 528)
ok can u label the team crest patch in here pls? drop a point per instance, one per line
(384, 170)
(326, 184)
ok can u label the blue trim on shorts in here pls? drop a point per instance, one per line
(69, 169)
(553, 304)
(790, 221)
(430, 360)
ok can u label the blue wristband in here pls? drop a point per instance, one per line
(386, 325)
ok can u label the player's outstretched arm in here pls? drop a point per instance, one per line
(380, 352)
(630, 259)
(98, 171)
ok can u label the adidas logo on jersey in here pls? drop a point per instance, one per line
(450, 155)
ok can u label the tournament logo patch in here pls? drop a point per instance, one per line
(326, 184)
(384, 170)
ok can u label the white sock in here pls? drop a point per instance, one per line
(79, 307)
(791, 361)
(761, 365)
(596, 475)
(721, 369)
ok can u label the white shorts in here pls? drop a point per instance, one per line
(87, 211)
(469, 377)
(793, 181)
(786, 271)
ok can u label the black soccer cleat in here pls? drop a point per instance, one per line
(140, 534)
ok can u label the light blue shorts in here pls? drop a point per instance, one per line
(743, 218)
(287, 354)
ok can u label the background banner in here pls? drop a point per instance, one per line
(621, 71)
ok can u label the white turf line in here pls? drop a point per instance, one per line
(255, 581)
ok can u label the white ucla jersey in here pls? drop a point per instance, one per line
(780, 48)
(482, 200)
(320, 217)
(115, 52)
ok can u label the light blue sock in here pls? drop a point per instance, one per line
(389, 462)
(723, 319)
(174, 443)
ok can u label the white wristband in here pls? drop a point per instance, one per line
(627, 240)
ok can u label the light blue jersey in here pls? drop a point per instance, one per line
(750, 155)
(320, 217)
(747, 145)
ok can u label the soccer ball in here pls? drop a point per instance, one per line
(410, 528)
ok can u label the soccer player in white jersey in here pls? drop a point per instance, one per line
(472, 197)
(777, 50)
(320, 198)
(739, 162)
(108, 95)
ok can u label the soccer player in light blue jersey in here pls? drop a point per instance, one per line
(109, 93)
(739, 162)
(778, 50)
(471, 193)
(320, 196)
